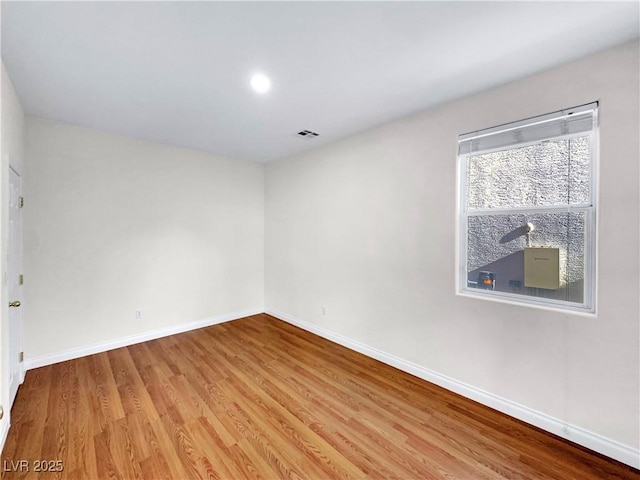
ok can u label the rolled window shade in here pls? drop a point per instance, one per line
(565, 122)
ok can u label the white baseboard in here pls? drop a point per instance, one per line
(41, 361)
(593, 441)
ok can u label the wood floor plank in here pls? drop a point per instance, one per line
(81, 457)
(166, 456)
(261, 399)
(214, 448)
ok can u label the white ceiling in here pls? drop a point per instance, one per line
(178, 72)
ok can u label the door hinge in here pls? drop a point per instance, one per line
(21, 279)
(21, 202)
(22, 356)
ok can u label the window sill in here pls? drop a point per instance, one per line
(513, 299)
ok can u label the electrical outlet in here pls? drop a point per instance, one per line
(139, 315)
(324, 310)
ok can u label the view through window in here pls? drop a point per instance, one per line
(527, 217)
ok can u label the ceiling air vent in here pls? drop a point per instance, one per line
(307, 134)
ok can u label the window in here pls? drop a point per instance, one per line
(528, 212)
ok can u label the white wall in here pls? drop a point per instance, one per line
(113, 224)
(366, 227)
(12, 151)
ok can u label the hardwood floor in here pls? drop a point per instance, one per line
(258, 398)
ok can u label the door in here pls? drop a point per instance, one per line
(14, 284)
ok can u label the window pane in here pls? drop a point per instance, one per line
(549, 173)
(496, 244)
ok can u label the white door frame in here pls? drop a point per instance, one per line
(14, 284)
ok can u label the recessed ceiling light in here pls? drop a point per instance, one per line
(260, 83)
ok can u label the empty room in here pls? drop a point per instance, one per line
(317, 240)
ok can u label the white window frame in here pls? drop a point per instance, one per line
(588, 307)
